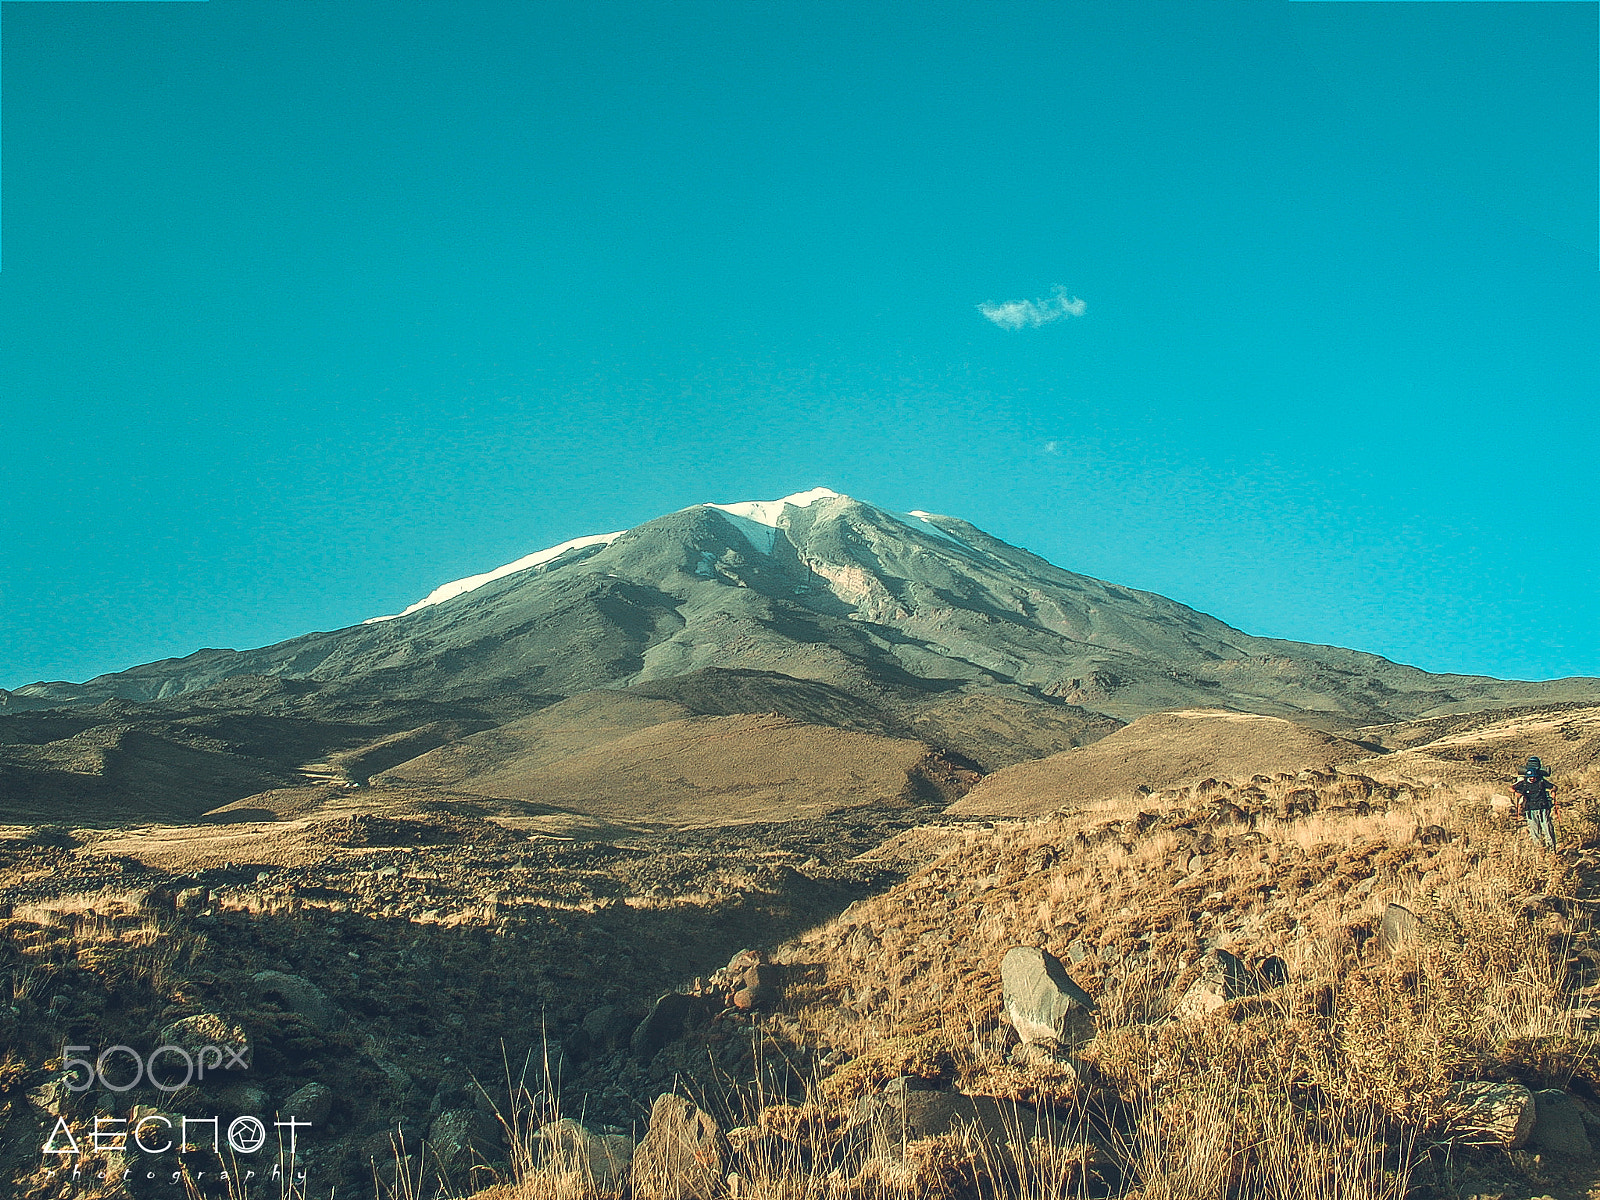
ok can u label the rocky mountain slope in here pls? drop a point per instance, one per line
(850, 622)
(821, 586)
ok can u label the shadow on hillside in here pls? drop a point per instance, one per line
(422, 1013)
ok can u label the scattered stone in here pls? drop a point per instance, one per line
(762, 988)
(602, 1159)
(765, 975)
(311, 1103)
(1045, 1058)
(748, 999)
(1494, 1114)
(384, 1146)
(299, 995)
(1273, 972)
(243, 1099)
(669, 1019)
(766, 1156)
(682, 1155)
(396, 1174)
(51, 1098)
(908, 1110)
(1223, 977)
(1399, 926)
(930, 1114)
(458, 1135)
(205, 1030)
(744, 960)
(609, 1026)
(1041, 1001)
(1558, 1124)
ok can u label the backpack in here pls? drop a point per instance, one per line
(1535, 791)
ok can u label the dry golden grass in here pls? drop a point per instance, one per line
(1332, 1087)
(1348, 1067)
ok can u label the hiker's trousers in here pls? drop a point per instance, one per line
(1542, 827)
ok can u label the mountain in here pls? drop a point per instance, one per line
(891, 658)
(822, 587)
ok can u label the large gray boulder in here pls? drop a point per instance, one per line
(609, 1026)
(670, 1017)
(601, 1160)
(1558, 1124)
(299, 996)
(313, 1103)
(1493, 1114)
(682, 1156)
(908, 1110)
(224, 1042)
(1398, 927)
(1041, 1001)
(459, 1136)
(1224, 976)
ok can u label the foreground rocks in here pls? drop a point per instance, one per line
(1494, 1114)
(600, 1160)
(1224, 976)
(369, 989)
(1558, 1125)
(670, 1017)
(1041, 1001)
(682, 1156)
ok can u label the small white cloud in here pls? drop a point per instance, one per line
(1022, 314)
(1052, 447)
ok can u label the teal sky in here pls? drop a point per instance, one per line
(311, 305)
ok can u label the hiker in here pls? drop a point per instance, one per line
(1538, 802)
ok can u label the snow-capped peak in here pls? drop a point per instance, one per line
(458, 587)
(766, 512)
(758, 519)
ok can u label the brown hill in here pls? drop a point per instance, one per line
(629, 758)
(582, 723)
(106, 772)
(1157, 751)
(1488, 747)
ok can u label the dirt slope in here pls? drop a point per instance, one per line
(106, 771)
(547, 736)
(1158, 751)
(639, 759)
(1487, 747)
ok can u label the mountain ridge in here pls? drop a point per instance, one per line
(822, 586)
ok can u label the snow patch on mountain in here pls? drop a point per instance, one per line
(918, 520)
(767, 512)
(758, 519)
(459, 587)
(759, 534)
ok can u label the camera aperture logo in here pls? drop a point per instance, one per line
(168, 1069)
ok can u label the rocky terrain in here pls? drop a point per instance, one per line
(1186, 980)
